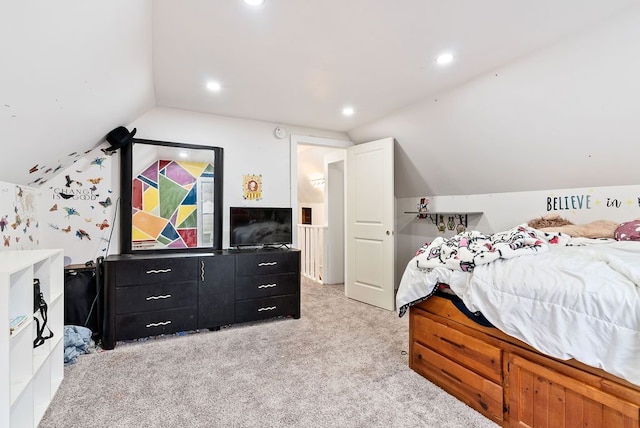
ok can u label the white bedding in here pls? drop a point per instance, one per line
(580, 300)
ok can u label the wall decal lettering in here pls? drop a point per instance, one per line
(587, 202)
(569, 202)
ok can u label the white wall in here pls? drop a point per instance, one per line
(564, 117)
(310, 166)
(71, 71)
(78, 215)
(250, 147)
(502, 211)
(333, 268)
(19, 217)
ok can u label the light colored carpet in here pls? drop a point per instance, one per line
(342, 364)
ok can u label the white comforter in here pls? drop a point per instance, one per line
(580, 300)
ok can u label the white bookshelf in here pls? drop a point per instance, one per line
(31, 376)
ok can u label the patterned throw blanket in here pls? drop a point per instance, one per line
(466, 250)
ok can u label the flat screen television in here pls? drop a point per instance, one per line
(260, 227)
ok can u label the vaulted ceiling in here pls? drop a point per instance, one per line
(72, 70)
(301, 62)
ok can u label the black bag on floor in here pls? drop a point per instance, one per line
(81, 298)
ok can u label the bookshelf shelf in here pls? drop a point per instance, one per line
(33, 374)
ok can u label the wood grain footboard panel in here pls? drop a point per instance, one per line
(510, 382)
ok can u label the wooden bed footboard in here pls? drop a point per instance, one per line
(510, 382)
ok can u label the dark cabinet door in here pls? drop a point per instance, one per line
(268, 262)
(216, 296)
(253, 287)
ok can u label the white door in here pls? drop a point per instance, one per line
(370, 243)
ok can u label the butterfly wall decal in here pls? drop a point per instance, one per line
(95, 180)
(7, 241)
(66, 229)
(54, 207)
(69, 181)
(71, 211)
(82, 234)
(54, 226)
(4, 222)
(20, 193)
(99, 162)
(33, 169)
(103, 225)
(106, 203)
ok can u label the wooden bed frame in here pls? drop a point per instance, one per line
(510, 382)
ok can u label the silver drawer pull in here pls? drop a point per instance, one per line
(267, 308)
(159, 270)
(267, 264)
(165, 296)
(158, 324)
(267, 285)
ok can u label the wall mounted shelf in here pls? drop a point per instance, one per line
(437, 216)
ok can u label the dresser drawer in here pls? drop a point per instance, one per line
(482, 394)
(464, 349)
(269, 307)
(252, 287)
(267, 263)
(153, 271)
(155, 297)
(145, 324)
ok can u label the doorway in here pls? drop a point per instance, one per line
(320, 162)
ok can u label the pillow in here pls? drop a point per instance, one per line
(629, 231)
(595, 229)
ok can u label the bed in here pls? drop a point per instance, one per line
(529, 327)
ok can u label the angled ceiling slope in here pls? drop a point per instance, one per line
(71, 72)
(301, 62)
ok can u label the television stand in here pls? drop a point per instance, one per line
(155, 294)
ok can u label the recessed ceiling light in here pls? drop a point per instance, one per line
(213, 86)
(348, 111)
(444, 58)
(254, 2)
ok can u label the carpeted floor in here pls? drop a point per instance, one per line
(342, 364)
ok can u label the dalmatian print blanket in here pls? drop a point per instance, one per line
(468, 249)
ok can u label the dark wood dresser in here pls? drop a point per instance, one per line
(151, 294)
